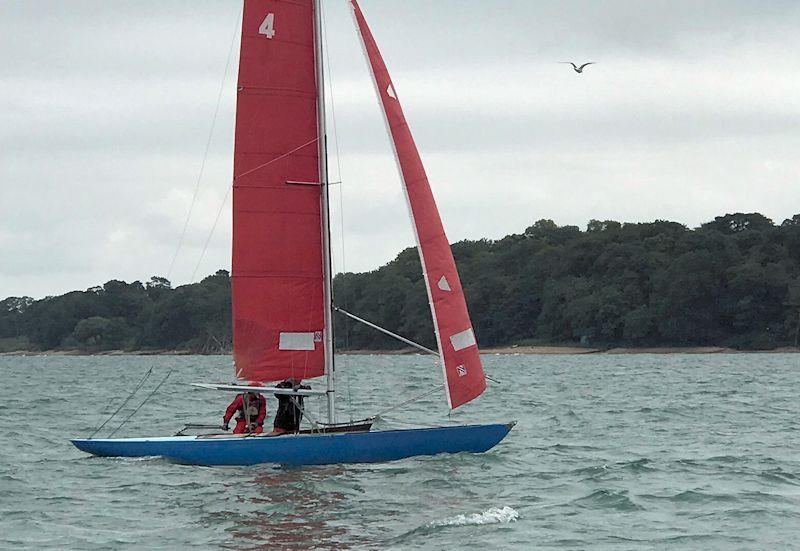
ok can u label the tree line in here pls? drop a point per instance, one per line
(123, 316)
(734, 281)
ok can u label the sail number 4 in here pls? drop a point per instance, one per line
(267, 27)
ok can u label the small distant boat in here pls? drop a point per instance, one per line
(281, 276)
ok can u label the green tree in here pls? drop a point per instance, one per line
(99, 333)
(734, 281)
(735, 223)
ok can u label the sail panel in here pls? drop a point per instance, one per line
(460, 358)
(277, 276)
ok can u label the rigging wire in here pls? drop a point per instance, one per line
(210, 234)
(414, 424)
(335, 139)
(332, 103)
(410, 400)
(227, 194)
(183, 233)
(128, 399)
(208, 148)
(152, 393)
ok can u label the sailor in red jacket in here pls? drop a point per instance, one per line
(252, 409)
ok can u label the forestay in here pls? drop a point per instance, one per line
(455, 338)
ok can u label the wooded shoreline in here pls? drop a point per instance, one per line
(503, 350)
(658, 287)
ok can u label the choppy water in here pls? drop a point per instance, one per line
(611, 452)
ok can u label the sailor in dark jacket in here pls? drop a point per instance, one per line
(290, 408)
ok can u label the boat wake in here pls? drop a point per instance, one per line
(135, 459)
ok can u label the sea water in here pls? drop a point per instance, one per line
(609, 452)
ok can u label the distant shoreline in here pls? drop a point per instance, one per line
(501, 350)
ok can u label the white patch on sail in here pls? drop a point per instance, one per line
(443, 284)
(296, 341)
(464, 339)
(390, 91)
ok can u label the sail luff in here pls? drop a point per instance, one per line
(325, 212)
(460, 358)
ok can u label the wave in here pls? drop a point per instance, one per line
(494, 515)
(694, 496)
(608, 499)
(566, 447)
(680, 538)
(637, 465)
(727, 458)
(590, 471)
(780, 476)
(595, 471)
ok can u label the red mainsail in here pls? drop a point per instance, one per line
(277, 276)
(456, 340)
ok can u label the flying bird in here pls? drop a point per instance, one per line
(576, 68)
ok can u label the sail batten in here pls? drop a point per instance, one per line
(458, 350)
(277, 265)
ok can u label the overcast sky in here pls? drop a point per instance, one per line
(692, 111)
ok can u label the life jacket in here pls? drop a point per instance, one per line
(250, 408)
(290, 408)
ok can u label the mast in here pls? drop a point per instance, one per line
(325, 211)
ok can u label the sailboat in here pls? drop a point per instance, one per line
(281, 265)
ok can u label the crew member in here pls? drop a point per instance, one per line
(252, 409)
(290, 408)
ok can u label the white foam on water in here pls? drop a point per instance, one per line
(139, 458)
(495, 515)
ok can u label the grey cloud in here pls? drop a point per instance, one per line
(692, 110)
(465, 32)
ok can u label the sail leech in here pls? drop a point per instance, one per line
(458, 351)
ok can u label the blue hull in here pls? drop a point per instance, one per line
(304, 449)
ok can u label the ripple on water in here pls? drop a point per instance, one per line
(630, 447)
(780, 476)
(642, 465)
(608, 499)
(694, 496)
(590, 472)
(727, 458)
(566, 448)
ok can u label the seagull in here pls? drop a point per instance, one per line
(576, 68)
